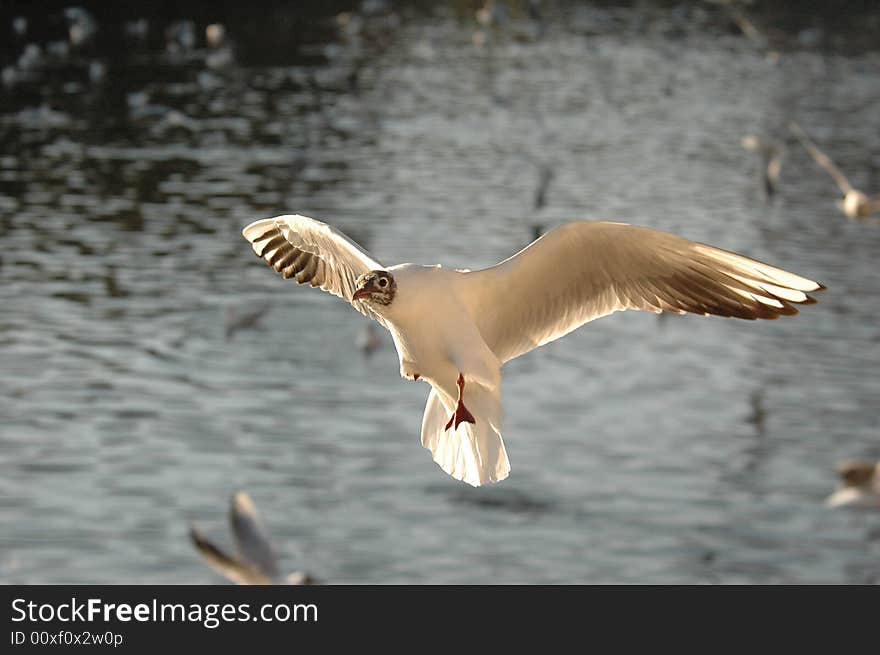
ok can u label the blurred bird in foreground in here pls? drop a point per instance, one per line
(859, 485)
(771, 157)
(855, 204)
(255, 561)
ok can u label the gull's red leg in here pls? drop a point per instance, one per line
(461, 413)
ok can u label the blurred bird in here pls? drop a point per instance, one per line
(221, 52)
(214, 34)
(747, 27)
(491, 14)
(855, 204)
(368, 340)
(97, 70)
(758, 415)
(237, 319)
(180, 36)
(255, 561)
(771, 157)
(545, 177)
(736, 12)
(58, 49)
(9, 76)
(31, 57)
(859, 485)
(349, 23)
(455, 329)
(20, 25)
(111, 284)
(81, 26)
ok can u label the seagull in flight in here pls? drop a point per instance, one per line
(855, 204)
(455, 329)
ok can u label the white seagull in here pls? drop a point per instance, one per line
(456, 328)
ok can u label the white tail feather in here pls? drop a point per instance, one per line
(473, 453)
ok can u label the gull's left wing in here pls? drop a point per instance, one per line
(584, 270)
(311, 251)
(251, 536)
(226, 565)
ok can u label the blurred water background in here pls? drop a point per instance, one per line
(684, 450)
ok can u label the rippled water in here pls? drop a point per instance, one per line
(128, 409)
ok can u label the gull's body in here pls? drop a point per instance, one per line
(859, 485)
(854, 204)
(456, 329)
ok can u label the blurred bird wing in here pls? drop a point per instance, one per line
(584, 270)
(251, 536)
(852, 497)
(230, 567)
(774, 167)
(311, 251)
(821, 158)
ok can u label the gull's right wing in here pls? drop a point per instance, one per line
(584, 270)
(251, 536)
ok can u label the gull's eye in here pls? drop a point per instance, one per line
(383, 282)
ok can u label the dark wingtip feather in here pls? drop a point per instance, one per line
(204, 546)
(263, 235)
(274, 242)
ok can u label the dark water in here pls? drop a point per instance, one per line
(127, 410)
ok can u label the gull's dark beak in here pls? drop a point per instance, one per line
(362, 293)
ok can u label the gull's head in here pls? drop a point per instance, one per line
(859, 485)
(854, 204)
(857, 473)
(375, 288)
(751, 143)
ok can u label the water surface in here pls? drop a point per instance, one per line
(127, 410)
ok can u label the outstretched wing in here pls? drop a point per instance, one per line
(311, 251)
(584, 270)
(251, 537)
(821, 158)
(230, 567)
